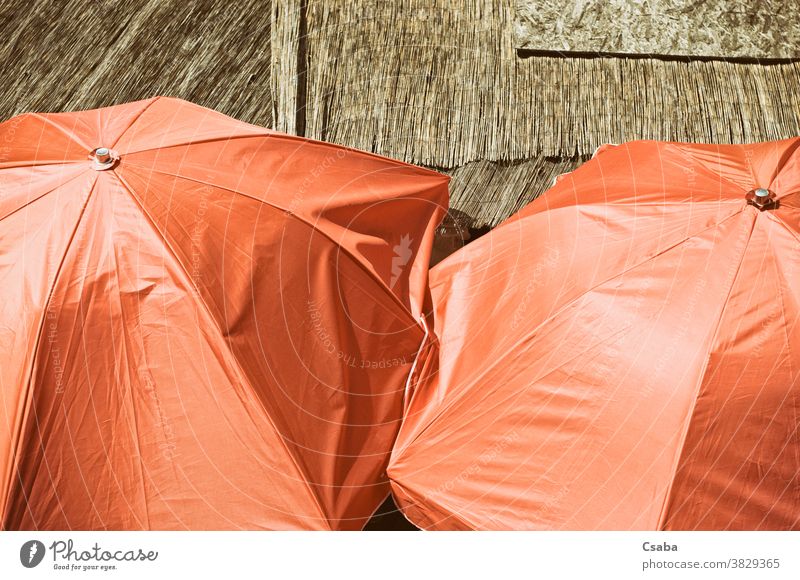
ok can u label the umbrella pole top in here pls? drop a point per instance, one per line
(762, 198)
(103, 158)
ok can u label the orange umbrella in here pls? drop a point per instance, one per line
(204, 324)
(622, 354)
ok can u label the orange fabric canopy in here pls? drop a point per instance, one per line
(208, 326)
(622, 354)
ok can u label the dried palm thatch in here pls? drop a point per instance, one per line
(438, 82)
(717, 28)
(416, 79)
(610, 100)
(488, 192)
(288, 17)
(81, 54)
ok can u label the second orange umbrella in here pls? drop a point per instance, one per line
(622, 354)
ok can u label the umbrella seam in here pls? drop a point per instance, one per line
(685, 430)
(43, 163)
(784, 160)
(136, 117)
(778, 276)
(61, 129)
(125, 340)
(785, 324)
(264, 132)
(408, 393)
(784, 225)
(297, 217)
(440, 505)
(42, 195)
(234, 361)
(551, 317)
(18, 440)
(515, 219)
(689, 155)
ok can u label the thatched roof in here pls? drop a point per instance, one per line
(443, 86)
(288, 67)
(435, 82)
(475, 186)
(83, 54)
(440, 83)
(763, 29)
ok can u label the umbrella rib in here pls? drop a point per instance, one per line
(233, 360)
(40, 196)
(791, 197)
(125, 341)
(135, 118)
(784, 225)
(299, 218)
(263, 132)
(794, 234)
(17, 441)
(791, 150)
(783, 309)
(497, 360)
(454, 513)
(688, 155)
(43, 163)
(632, 203)
(62, 130)
(200, 141)
(685, 431)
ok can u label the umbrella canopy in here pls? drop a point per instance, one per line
(204, 324)
(622, 354)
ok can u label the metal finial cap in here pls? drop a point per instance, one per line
(762, 198)
(103, 158)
